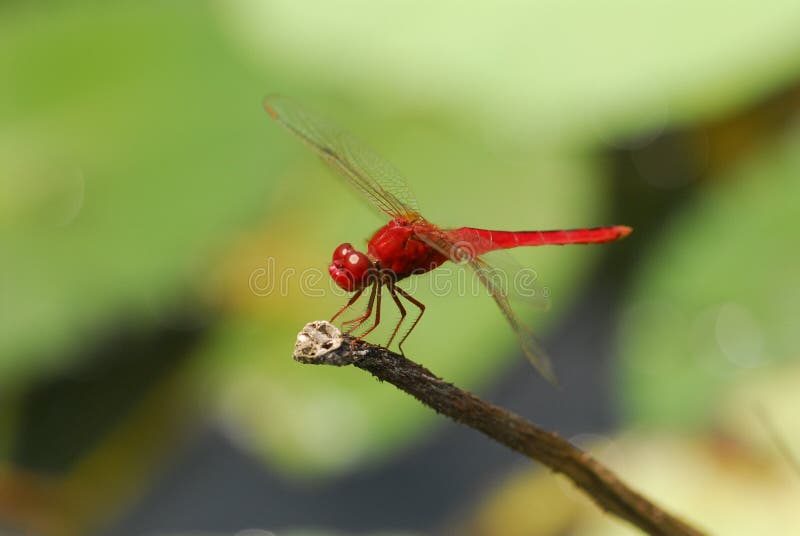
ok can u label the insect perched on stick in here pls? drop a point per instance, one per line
(409, 244)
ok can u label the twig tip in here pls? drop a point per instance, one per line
(315, 340)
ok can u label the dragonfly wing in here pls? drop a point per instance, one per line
(500, 286)
(367, 172)
(527, 340)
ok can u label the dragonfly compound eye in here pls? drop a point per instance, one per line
(351, 272)
(342, 251)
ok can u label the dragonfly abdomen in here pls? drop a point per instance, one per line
(492, 240)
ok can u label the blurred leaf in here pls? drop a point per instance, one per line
(130, 146)
(293, 532)
(524, 503)
(88, 492)
(720, 298)
(718, 485)
(339, 533)
(538, 70)
(760, 412)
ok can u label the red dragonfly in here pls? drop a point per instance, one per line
(409, 244)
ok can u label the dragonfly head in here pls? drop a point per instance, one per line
(349, 268)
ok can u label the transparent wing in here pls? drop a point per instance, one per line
(370, 174)
(527, 340)
(502, 284)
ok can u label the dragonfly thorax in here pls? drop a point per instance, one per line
(397, 248)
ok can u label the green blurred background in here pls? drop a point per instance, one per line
(146, 388)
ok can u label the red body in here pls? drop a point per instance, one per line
(397, 248)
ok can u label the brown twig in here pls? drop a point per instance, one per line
(505, 427)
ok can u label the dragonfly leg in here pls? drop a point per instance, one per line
(421, 307)
(393, 293)
(355, 323)
(377, 312)
(349, 303)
